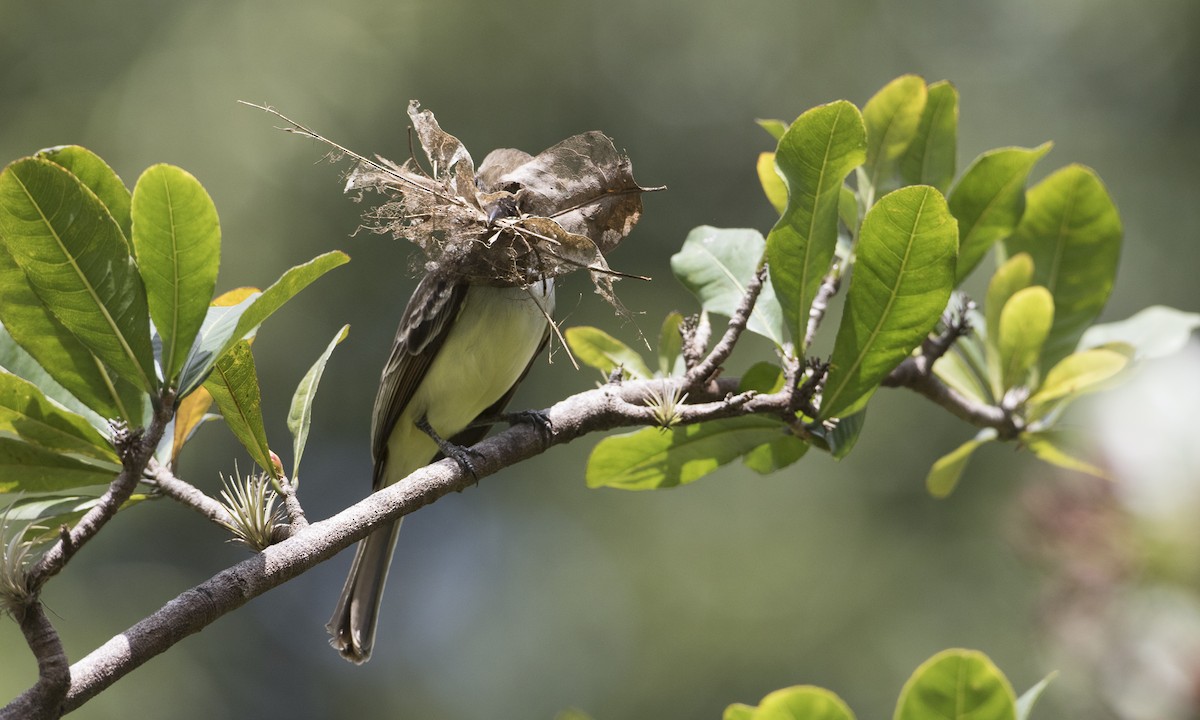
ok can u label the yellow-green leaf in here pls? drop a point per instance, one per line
(1055, 447)
(596, 348)
(772, 184)
(1080, 373)
(957, 685)
(943, 477)
(1021, 331)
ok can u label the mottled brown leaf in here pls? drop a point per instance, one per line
(518, 218)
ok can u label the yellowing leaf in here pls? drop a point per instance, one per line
(1080, 373)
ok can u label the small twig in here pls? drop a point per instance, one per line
(291, 505)
(186, 494)
(816, 313)
(298, 129)
(916, 373)
(933, 348)
(696, 332)
(911, 375)
(804, 390)
(706, 368)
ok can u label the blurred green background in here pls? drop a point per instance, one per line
(531, 593)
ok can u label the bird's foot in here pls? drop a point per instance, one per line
(462, 456)
(538, 418)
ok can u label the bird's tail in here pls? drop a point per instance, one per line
(352, 626)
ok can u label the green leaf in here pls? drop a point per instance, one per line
(776, 454)
(1155, 332)
(225, 325)
(738, 711)
(845, 434)
(596, 348)
(1030, 697)
(26, 413)
(762, 377)
(814, 157)
(234, 386)
(177, 239)
(77, 260)
(27, 468)
(957, 685)
(891, 118)
(1072, 231)
(955, 370)
(98, 177)
(802, 702)
(49, 513)
(989, 200)
(1078, 374)
(670, 345)
(1057, 448)
(943, 477)
(218, 327)
(930, 158)
(775, 128)
(772, 183)
(651, 458)
(284, 289)
(15, 360)
(1013, 275)
(40, 344)
(1023, 327)
(300, 416)
(901, 283)
(716, 266)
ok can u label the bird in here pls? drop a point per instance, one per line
(461, 350)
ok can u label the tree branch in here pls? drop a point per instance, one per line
(604, 408)
(297, 520)
(916, 373)
(816, 313)
(186, 494)
(45, 698)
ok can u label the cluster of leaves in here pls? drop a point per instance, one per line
(109, 320)
(952, 685)
(873, 193)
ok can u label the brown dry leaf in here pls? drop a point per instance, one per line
(583, 184)
(518, 218)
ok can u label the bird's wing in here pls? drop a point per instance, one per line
(423, 328)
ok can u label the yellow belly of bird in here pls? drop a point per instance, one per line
(477, 364)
